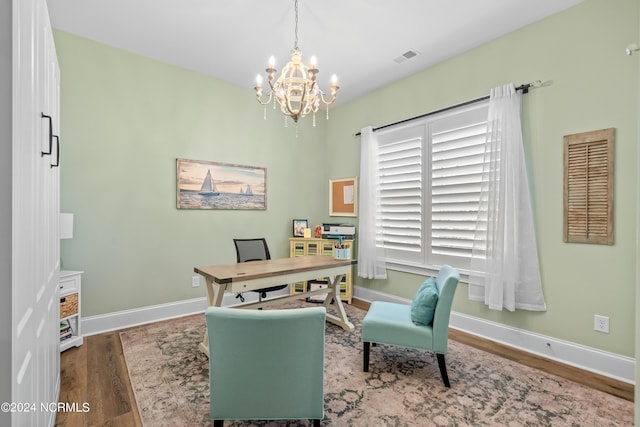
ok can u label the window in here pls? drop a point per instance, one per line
(430, 179)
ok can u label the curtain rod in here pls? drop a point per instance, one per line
(524, 88)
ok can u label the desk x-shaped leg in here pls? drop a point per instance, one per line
(334, 295)
(214, 299)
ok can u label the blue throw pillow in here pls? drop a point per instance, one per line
(423, 306)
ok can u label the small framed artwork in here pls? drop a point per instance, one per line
(299, 226)
(343, 197)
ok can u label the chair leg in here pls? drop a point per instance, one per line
(316, 423)
(443, 369)
(365, 356)
(218, 423)
(260, 298)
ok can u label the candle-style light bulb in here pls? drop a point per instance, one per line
(313, 61)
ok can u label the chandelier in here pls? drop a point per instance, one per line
(296, 91)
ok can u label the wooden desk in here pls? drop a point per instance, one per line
(247, 276)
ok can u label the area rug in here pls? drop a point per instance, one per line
(403, 387)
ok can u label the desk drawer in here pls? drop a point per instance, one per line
(68, 305)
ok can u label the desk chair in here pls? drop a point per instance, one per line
(254, 250)
(266, 365)
(390, 323)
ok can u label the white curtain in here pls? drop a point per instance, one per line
(371, 264)
(506, 269)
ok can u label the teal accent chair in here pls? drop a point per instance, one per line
(266, 364)
(390, 323)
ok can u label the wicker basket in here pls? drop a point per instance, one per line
(68, 305)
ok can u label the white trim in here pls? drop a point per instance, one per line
(370, 296)
(423, 270)
(590, 359)
(92, 325)
(107, 322)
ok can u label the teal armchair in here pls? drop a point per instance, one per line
(390, 323)
(266, 364)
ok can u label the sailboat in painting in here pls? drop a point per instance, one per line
(208, 187)
(248, 192)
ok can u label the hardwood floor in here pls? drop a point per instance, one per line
(577, 375)
(96, 373)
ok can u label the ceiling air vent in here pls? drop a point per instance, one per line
(411, 53)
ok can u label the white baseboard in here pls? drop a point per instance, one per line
(590, 359)
(92, 325)
(100, 323)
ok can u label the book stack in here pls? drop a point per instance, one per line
(65, 330)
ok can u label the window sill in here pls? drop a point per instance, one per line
(424, 270)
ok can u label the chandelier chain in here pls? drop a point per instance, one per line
(295, 7)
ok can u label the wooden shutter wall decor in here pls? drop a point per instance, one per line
(588, 187)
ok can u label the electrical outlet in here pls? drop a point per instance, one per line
(195, 281)
(601, 323)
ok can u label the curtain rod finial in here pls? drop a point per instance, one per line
(633, 47)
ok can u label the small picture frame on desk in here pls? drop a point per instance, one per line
(299, 226)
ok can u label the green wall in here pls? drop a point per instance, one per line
(126, 118)
(637, 323)
(125, 121)
(590, 84)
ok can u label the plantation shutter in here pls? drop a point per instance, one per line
(457, 155)
(588, 187)
(431, 173)
(401, 184)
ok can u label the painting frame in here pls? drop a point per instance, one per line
(209, 185)
(343, 197)
(298, 227)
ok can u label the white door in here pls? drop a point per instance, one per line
(35, 251)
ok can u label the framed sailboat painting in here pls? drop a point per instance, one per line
(212, 185)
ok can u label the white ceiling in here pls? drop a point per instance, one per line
(356, 39)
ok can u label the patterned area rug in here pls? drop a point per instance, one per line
(402, 388)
